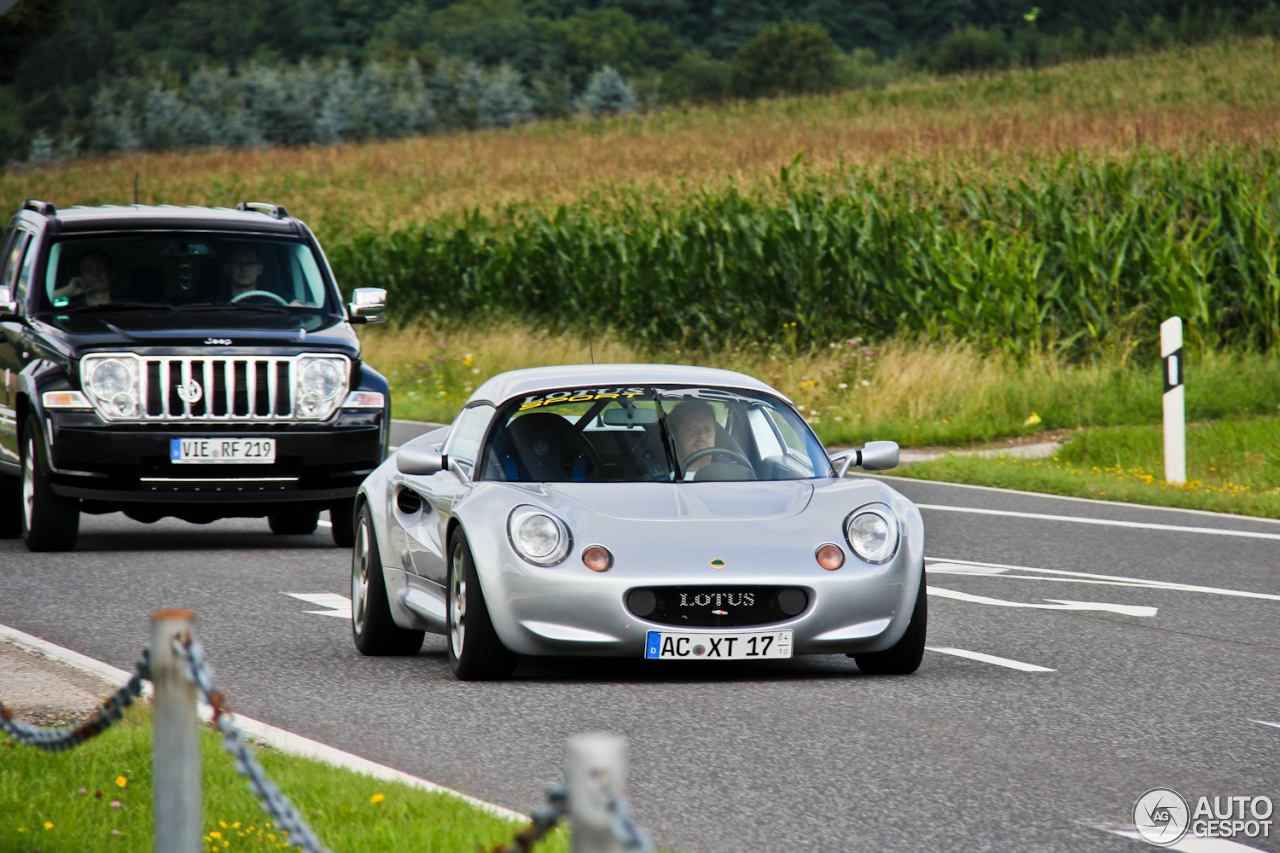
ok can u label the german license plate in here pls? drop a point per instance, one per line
(219, 450)
(664, 645)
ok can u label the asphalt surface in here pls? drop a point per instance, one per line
(807, 754)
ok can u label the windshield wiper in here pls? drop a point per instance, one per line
(233, 306)
(667, 444)
(115, 306)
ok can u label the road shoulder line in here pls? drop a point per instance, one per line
(272, 736)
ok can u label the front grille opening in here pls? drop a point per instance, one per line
(219, 390)
(155, 389)
(240, 372)
(717, 606)
(200, 407)
(284, 393)
(261, 378)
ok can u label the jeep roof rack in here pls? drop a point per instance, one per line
(275, 210)
(45, 208)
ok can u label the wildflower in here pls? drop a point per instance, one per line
(115, 804)
(843, 385)
(377, 798)
(48, 824)
(115, 832)
(121, 781)
(1032, 420)
(866, 384)
(84, 790)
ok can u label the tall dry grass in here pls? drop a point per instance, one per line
(916, 393)
(1227, 92)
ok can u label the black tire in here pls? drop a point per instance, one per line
(294, 522)
(374, 631)
(10, 510)
(342, 516)
(50, 522)
(475, 652)
(904, 656)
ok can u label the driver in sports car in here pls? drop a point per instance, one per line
(693, 423)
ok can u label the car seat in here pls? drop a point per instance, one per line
(542, 447)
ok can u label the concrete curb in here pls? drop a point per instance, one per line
(276, 738)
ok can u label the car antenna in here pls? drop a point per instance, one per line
(592, 349)
(135, 188)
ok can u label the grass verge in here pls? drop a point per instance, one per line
(938, 394)
(1233, 465)
(98, 797)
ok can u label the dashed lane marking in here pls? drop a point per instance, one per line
(1265, 723)
(1001, 570)
(985, 658)
(1187, 844)
(338, 605)
(1105, 522)
(1054, 603)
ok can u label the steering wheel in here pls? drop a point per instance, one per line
(240, 297)
(715, 451)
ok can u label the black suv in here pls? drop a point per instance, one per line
(179, 361)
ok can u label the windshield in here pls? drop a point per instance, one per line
(186, 273)
(648, 434)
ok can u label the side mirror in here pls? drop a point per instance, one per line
(874, 456)
(8, 307)
(419, 461)
(368, 304)
(879, 456)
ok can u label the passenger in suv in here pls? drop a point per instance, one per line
(141, 374)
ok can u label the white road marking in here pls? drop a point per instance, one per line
(1188, 843)
(339, 605)
(1265, 723)
(1056, 603)
(1105, 522)
(979, 656)
(1047, 496)
(1119, 579)
(285, 741)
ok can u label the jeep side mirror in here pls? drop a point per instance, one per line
(8, 307)
(419, 461)
(368, 304)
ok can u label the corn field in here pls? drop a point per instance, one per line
(1074, 253)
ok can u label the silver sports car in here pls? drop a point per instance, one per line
(670, 513)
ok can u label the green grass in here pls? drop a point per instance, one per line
(1233, 465)
(53, 802)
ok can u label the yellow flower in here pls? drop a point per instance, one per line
(121, 781)
(215, 834)
(48, 824)
(377, 798)
(1032, 420)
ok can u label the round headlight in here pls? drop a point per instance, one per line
(539, 538)
(323, 378)
(873, 533)
(110, 377)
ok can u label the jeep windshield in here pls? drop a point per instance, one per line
(647, 434)
(247, 281)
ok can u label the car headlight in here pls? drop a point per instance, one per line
(112, 384)
(538, 537)
(873, 533)
(321, 385)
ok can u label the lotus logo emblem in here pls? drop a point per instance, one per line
(190, 392)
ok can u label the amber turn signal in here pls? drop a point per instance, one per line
(830, 557)
(597, 559)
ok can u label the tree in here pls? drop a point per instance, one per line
(23, 28)
(607, 94)
(590, 40)
(785, 58)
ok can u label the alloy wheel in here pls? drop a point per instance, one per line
(29, 483)
(458, 606)
(360, 577)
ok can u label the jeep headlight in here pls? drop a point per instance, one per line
(538, 537)
(873, 533)
(320, 386)
(112, 383)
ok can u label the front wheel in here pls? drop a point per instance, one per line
(50, 522)
(372, 627)
(475, 651)
(904, 656)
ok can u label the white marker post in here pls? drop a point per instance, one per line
(1175, 402)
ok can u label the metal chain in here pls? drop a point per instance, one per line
(69, 737)
(544, 820)
(274, 803)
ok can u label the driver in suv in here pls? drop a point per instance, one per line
(221, 378)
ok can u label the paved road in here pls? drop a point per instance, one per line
(1154, 669)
